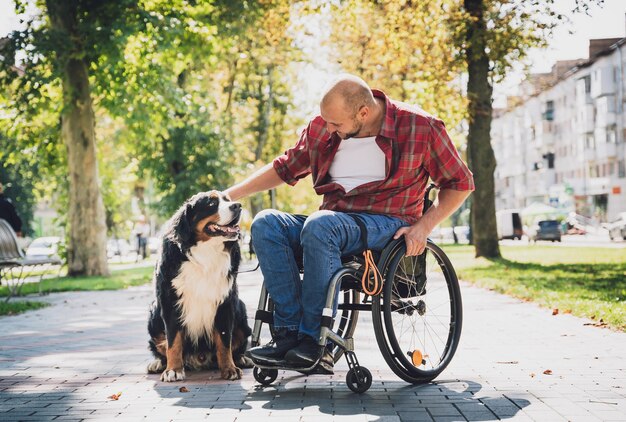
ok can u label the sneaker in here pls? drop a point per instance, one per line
(273, 352)
(326, 363)
(305, 354)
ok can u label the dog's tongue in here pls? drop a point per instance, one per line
(227, 229)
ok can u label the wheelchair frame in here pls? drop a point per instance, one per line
(382, 306)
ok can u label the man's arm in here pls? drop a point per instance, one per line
(415, 236)
(263, 179)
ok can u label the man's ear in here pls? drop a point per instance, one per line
(181, 232)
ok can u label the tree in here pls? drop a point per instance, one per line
(492, 35)
(121, 59)
(403, 48)
(481, 158)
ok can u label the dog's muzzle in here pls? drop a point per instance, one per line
(230, 230)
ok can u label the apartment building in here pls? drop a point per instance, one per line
(562, 141)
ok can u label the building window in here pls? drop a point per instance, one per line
(611, 134)
(587, 80)
(590, 141)
(549, 111)
(621, 169)
(549, 157)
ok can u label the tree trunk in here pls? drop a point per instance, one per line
(86, 217)
(266, 106)
(480, 155)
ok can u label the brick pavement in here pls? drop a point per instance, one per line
(65, 361)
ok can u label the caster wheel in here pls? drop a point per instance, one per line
(353, 381)
(265, 376)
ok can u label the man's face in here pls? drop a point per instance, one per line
(340, 120)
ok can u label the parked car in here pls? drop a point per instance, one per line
(546, 230)
(617, 228)
(44, 247)
(509, 224)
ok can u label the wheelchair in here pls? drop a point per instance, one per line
(417, 316)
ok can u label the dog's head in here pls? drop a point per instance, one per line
(205, 217)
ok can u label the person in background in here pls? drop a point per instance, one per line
(8, 213)
(142, 231)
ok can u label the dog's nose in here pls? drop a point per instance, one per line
(235, 206)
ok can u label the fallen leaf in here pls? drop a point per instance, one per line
(115, 396)
(183, 390)
(532, 375)
(547, 372)
(555, 311)
(597, 324)
(567, 311)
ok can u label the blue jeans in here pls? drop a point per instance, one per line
(321, 239)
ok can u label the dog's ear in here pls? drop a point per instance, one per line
(181, 231)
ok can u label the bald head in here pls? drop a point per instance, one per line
(350, 91)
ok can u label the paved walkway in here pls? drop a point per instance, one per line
(64, 362)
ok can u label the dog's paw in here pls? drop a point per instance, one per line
(170, 375)
(231, 373)
(155, 366)
(244, 362)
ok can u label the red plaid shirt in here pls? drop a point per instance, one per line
(416, 147)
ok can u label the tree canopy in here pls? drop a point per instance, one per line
(112, 109)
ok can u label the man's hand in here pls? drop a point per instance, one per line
(415, 238)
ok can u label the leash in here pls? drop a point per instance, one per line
(372, 280)
(249, 271)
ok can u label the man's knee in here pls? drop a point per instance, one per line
(319, 226)
(264, 223)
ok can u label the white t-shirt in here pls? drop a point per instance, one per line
(357, 161)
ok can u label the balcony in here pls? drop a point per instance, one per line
(586, 119)
(606, 150)
(605, 107)
(602, 82)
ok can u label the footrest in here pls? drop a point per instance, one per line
(286, 366)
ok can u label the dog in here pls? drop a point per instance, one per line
(197, 320)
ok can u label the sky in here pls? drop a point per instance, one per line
(569, 41)
(606, 22)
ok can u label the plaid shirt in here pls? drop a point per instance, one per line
(416, 147)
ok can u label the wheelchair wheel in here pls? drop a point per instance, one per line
(356, 385)
(418, 316)
(265, 376)
(346, 318)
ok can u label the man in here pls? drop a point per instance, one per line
(142, 231)
(368, 155)
(8, 213)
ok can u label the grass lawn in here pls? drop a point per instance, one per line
(119, 279)
(587, 282)
(14, 308)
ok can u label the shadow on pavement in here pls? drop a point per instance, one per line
(300, 395)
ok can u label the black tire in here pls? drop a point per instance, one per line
(407, 321)
(345, 320)
(353, 381)
(265, 376)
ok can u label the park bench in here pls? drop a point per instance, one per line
(15, 267)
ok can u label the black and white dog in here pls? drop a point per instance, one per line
(197, 319)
